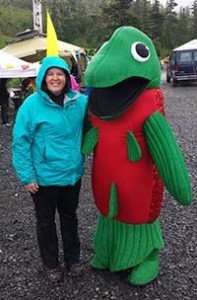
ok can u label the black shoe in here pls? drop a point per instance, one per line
(75, 270)
(54, 275)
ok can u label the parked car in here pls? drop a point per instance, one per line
(182, 65)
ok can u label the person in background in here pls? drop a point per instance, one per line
(33, 84)
(27, 87)
(75, 70)
(4, 102)
(75, 86)
(47, 157)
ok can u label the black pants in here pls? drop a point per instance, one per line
(4, 112)
(65, 200)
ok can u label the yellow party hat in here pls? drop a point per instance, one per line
(52, 43)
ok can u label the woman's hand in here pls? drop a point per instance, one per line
(32, 187)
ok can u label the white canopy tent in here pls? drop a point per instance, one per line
(34, 49)
(13, 67)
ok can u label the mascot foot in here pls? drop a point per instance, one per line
(146, 272)
(97, 264)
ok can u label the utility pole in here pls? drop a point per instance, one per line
(37, 15)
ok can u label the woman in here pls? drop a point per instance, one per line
(47, 158)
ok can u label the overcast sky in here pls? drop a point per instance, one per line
(180, 3)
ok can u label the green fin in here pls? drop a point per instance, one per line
(90, 141)
(134, 151)
(145, 272)
(168, 158)
(120, 246)
(113, 202)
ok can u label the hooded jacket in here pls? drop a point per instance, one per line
(47, 138)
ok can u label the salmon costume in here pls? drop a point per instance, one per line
(135, 154)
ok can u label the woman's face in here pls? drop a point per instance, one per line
(55, 80)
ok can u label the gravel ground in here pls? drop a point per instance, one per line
(21, 275)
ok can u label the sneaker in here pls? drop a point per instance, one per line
(75, 270)
(54, 275)
(6, 125)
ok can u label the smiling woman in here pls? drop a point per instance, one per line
(55, 80)
(47, 158)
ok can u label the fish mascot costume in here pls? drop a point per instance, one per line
(135, 154)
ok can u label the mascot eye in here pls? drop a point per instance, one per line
(140, 52)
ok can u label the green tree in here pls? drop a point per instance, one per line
(157, 18)
(146, 18)
(183, 29)
(141, 15)
(170, 6)
(116, 13)
(169, 36)
(88, 23)
(12, 21)
(194, 20)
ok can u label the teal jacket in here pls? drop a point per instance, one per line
(47, 137)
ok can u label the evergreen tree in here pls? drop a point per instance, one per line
(169, 36)
(194, 20)
(170, 6)
(157, 18)
(183, 28)
(146, 22)
(116, 13)
(88, 23)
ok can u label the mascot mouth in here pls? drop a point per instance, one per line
(113, 100)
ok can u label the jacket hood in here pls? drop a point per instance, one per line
(47, 63)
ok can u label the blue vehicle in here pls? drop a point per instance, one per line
(182, 65)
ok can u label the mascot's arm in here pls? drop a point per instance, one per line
(87, 124)
(90, 141)
(168, 158)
